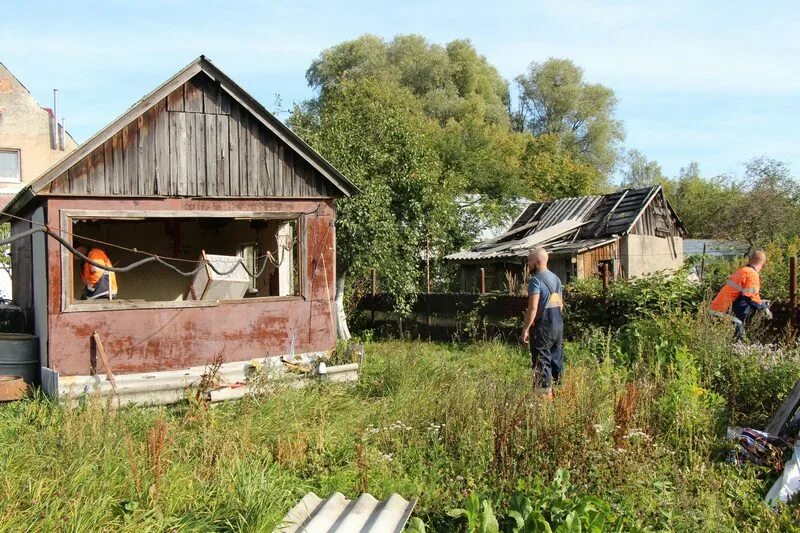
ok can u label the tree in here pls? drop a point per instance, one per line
(555, 100)
(640, 172)
(376, 134)
(551, 172)
(458, 89)
(767, 206)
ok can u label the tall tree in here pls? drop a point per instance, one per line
(640, 171)
(454, 86)
(376, 134)
(555, 100)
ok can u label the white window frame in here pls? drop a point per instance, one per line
(19, 165)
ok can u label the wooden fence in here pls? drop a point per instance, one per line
(449, 316)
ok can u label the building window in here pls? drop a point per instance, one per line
(9, 165)
(269, 251)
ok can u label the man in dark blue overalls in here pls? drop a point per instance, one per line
(543, 329)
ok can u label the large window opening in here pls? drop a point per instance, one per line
(270, 249)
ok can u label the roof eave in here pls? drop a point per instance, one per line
(201, 64)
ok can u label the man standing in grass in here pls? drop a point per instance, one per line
(543, 329)
(741, 294)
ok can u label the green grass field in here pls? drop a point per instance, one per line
(637, 423)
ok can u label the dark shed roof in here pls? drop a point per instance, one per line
(260, 125)
(568, 225)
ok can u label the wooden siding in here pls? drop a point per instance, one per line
(587, 261)
(196, 142)
(657, 220)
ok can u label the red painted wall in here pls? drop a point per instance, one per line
(143, 340)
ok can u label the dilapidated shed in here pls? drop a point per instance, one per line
(195, 167)
(634, 231)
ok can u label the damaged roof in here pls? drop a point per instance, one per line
(572, 225)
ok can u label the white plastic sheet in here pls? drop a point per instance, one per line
(788, 484)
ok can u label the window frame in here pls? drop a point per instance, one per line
(67, 216)
(19, 165)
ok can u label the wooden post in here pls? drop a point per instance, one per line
(428, 264)
(793, 291)
(605, 276)
(703, 263)
(483, 280)
(428, 286)
(374, 294)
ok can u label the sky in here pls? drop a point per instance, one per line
(714, 82)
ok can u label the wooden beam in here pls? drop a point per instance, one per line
(104, 357)
(785, 412)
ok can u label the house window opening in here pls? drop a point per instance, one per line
(10, 166)
(267, 252)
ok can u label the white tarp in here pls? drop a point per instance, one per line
(788, 484)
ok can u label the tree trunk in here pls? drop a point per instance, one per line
(342, 331)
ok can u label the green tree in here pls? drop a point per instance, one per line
(457, 88)
(640, 171)
(766, 206)
(551, 172)
(376, 134)
(556, 100)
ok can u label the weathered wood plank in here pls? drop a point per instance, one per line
(130, 141)
(118, 164)
(108, 161)
(244, 155)
(263, 161)
(178, 184)
(193, 96)
(162, 161)
(280, 172)
(61, 184)
(223, 159)
(211, 155)
(175, 100)
(785, 412)
(225, 102)
(211, 96)
(191, 157)
(79, 177)
(146, 181)
(253, 159)
(233, 151)
(97, 172)
(200, 153)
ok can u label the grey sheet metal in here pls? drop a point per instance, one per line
(338, 514)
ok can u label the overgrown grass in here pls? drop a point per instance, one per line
(431, 421)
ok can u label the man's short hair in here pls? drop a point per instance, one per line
(539, 253)
(758, 257)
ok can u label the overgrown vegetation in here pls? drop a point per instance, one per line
(436, 422)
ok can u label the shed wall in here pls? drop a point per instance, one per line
(644, 254)
(142, 340)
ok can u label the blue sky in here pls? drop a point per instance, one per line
(717, 83)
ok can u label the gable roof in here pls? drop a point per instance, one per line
(250, 104)
(571, 225)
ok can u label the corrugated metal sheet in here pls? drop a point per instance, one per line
(589, 219)
(338, 514)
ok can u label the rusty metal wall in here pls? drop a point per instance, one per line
(141, 340)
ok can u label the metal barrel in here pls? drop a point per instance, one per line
(19, 356)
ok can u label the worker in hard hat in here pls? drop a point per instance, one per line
(740, 296)
(543, 329)
(100, 283)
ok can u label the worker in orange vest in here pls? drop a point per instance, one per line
(100, 283)
(740, 296)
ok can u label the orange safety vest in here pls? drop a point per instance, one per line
(91, 274)
(743, 282)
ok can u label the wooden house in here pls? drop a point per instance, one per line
(634, 231)
(195, 167)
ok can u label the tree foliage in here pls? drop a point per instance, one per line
(759, 206)
(556, 100)
(640, 171)
(377, 136)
